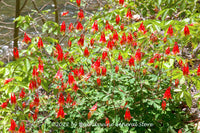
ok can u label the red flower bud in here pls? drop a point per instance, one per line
(117, 19)
(116, 68)
(15, 53)
(98, 81)
(163, 105)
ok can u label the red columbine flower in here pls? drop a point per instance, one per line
(36, 110)
(117, 19)
(95, 26)
(157, 56)
(40, 43)
(60, 52)
(122, 26)
(81, 40)
(153, 38)
(131, 61)
(41, 67)
(61, 100)
(110, 44)
(107, 122)
(128, 14)
(198, 70)
(103, 71)
(163, 105)
(186, 31)
(115, 36)
(116, 68)
(69, 99)
(78, 2)
(12, 126)
(4, 105)
(94, 108)
(26, 39)
(59, 74)
(176, 82)
(151, 60)
(107, 25)
(167, 93)
(104, 55)
(65, 13)
(180, 62)
(123, 40)
(89, 115)
(185, 69)
(75, 87)
(120, 58)
(167, 51)
(61, 113)
(34, 116)
(34, 73)
(97, 63)
(15, 53)
(70, 79)
(121, 2)
(31, 105)
(8, 80)
(22, 93)
(22, 128)
(39, 81)
(81, 14)
(127, 115)
(179, 131)
(170, 31)
(138, 55)
(69, 43)
(23, 104)
(92, 42)
(36, 101)
(79, 26)
(86, 52)
(111, 28)
(175, 48)
(142, 28)
(103, 38)
(134, 44)
(63, 27)
(129, 38)
(71, 27)
(13, 98)
(135, 34)
(81, 71)
(98, 81)
(98, 71)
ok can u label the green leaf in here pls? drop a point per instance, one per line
(188, 98)
(197, 95)
(165, 14)
(1, 63)
(182, 81)
(45, 85)
(124, 129)
(27, 65)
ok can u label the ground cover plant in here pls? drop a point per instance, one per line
(130, 67)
